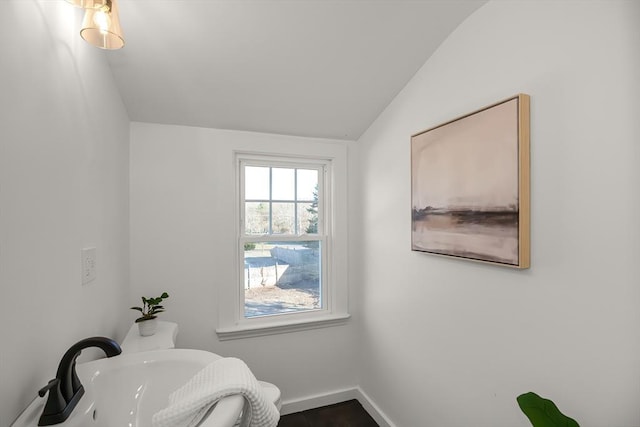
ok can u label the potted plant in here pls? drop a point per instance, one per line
(148, 323)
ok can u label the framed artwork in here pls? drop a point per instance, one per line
(470, 186)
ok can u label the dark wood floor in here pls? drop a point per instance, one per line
(345, 414)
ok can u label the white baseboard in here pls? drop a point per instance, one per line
(316, 401)
(373, 409)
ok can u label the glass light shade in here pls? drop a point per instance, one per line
(88, 4)
(101, 27)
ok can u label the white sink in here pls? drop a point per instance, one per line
(126, 390)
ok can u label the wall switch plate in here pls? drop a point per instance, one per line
(88, 265)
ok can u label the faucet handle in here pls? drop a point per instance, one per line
(51, 384)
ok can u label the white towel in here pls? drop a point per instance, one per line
(227, 376)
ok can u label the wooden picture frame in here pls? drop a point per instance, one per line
(470, 186)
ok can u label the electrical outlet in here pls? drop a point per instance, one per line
(88, 265)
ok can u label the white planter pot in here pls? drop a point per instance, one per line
(148, 327)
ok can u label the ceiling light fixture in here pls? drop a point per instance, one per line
(101, 23)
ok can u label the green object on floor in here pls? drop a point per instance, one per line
(543, 412)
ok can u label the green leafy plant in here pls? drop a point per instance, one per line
(150, 307)
(543, 412)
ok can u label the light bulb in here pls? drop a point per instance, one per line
(102, 20)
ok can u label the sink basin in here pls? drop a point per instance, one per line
(126, 390)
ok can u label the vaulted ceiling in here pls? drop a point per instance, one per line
(321, 68)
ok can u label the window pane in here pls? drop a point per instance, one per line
(307, 184)
(256, 218)
(307, 218)
(283, 184)
(281, 277)
(256, 183)
(283, 221)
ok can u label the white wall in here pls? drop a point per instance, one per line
(63, 186)
(450, 343)
(182, 241)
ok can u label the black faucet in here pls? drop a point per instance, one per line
(65, 390)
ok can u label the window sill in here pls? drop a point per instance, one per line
(281, 327)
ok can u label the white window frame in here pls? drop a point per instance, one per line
(324, 206)
(331, 202)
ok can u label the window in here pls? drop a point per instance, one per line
(288, 278)
(282, 236)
